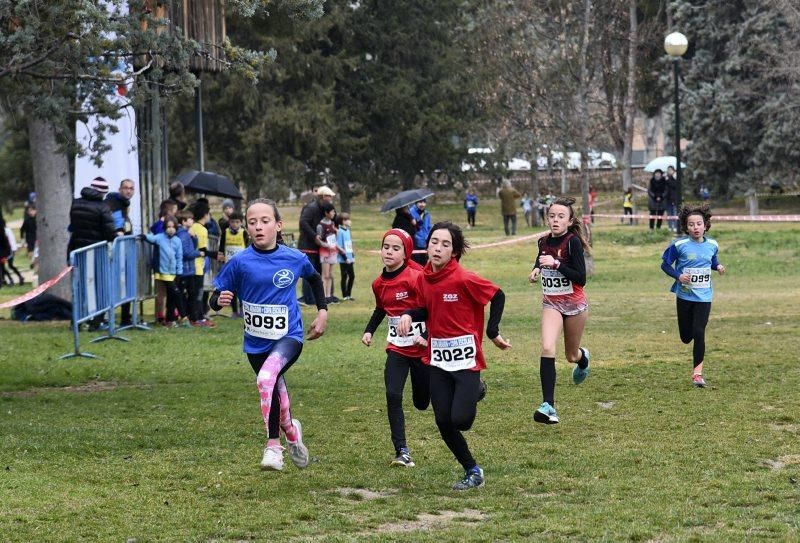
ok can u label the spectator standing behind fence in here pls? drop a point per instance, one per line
(169, 249)
(657, 192)
(119, 203)
(627, 205)
(166, 207)
(90, 219)
(347, 255)
(233, 240)
(471, 205)
(307, 242)
(423, 219)
(200, 213)
(509, 196)
(90, 222)
(177, 193)
(186, 279)
(28, 231)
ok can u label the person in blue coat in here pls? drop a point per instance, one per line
(471, 205)
(423, 219)
(170, 266)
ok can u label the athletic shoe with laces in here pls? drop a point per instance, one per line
(579, 374)
(273, 458)
(297, 450)
(483, 388)
(698, 381)
(403, 459)
(546, 414)
(473, 478)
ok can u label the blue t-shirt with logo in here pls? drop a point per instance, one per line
(695, 258)
(265, 283)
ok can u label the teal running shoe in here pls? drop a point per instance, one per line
(546, 414)
(473, 478)
(579, 375)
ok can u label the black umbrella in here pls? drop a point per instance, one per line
(405, 198)
(209, 183)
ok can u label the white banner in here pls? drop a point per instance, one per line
(121, 161)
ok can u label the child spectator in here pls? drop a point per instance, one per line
(170, 265)
(328, 255)
(232, 241)
(198, 229)
(185, 281)
(166, 208)
(347, 257)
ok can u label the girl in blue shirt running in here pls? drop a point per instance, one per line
(689, 260)
(264, 277)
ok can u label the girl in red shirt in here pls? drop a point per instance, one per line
(454, 301)
(562, 268)
(395, 291)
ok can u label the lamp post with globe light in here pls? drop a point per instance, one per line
(675, 45)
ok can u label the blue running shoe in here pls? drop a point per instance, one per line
(473, 478)
(579, 375)
(546, 414)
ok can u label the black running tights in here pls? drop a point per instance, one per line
(692, 321)
(454, 396)
(394, 375)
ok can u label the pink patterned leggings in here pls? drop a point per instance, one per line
(275, 404)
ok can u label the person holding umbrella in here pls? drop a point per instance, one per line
(657, 193)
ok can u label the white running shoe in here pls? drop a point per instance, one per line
(297, 451)
(273, 458)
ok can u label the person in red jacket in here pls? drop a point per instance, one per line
(395, 291)
(453, 308)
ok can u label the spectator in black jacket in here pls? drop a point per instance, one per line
(90, 219)
(308, 242)
(657, 202)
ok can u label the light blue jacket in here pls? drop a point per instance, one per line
(423, 227)
(344, 239)
(170, 253)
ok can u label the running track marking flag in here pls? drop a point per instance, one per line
(38, 290)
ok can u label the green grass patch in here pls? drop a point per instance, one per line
(160, 438)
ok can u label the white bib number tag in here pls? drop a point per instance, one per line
(455, 353)
(348, 246)
(554, 283)
(266, 321)
(393, 337)
(699, 277)
(231, 251)
(331, 241)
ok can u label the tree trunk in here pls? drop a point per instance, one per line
(535, 188)
(630, 97)
(583, 115)
(54, 197)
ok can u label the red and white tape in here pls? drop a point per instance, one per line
(38, 290)
(739, 218)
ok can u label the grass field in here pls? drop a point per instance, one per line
(160, 438)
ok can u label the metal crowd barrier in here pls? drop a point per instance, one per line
(91, 288)
(212, 264)
(125, 262)
(144, 277)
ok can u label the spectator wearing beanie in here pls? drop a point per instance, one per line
(90, 219)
